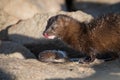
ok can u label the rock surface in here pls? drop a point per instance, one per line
(30, 69)
(24, 9)
(6, 19)
(13, 50)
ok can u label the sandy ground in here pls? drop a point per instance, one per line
(31, 69)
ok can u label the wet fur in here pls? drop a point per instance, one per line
(99, 37)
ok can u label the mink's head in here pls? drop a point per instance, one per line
(56, 26)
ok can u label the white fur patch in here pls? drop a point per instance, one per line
(51, 37)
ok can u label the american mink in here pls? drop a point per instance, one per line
(98, 37)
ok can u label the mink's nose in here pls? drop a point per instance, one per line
(45, 35)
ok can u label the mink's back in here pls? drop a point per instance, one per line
(105, 33)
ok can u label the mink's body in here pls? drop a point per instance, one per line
(100, 36)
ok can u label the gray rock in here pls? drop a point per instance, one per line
(14, 50)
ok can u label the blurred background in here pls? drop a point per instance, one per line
(94, 7)
(27, 8)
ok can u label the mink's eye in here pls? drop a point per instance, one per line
(52, 28)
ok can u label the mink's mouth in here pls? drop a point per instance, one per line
(49, 36)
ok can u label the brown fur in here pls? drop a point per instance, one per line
(100, 36)
(52, 56)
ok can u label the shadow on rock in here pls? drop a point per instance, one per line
(11, 49)
(94, 8)
(14, 50)
(45, 44)
(65, 79)
(4, 34)
(6, 76)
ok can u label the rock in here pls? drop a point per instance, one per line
(31, 69)
(46, 6)
(34, 70)
(6, 19)
(24, 9)
(97, 7)
(13, 50)
(30, 30)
